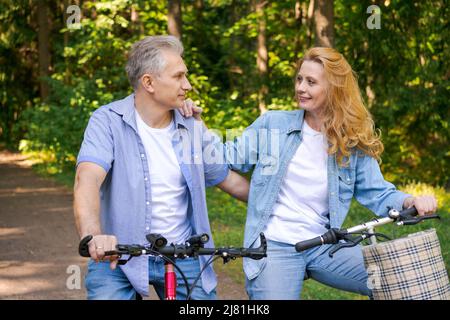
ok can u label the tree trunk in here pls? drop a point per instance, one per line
(199, 6)
(231, 63)
(262, 56)
(136, 24)
(174, 18)
(65, 4)
(298, 23)
(43, 47)
(66, 42)
(134, 14)
(324, 23)
(308, 12)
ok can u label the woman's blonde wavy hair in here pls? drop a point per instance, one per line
(347, 122)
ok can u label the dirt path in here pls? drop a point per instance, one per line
(38, 240)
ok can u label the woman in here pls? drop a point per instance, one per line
(308, 165)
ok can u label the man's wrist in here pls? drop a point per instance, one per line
(89, 233)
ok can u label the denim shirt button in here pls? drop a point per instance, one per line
(147, 203)
(142, 155)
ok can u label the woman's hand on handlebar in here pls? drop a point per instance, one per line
(99, 245)
(424, 204)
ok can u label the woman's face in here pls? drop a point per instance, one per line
(311, 86)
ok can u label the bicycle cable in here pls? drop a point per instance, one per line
(209, 262)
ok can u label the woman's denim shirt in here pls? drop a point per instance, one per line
(268, 146)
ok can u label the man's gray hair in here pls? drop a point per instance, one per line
(146, 56)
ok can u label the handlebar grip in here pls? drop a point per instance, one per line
(308, 244)
(332, 236)
(409, 212)
(83, 248)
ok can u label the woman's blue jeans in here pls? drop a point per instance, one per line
(282, 276)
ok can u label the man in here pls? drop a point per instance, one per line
(142, 168)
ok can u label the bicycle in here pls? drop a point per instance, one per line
(411, 267)
(193, 247)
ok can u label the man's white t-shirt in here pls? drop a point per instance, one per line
(168, 187)
(300, 212)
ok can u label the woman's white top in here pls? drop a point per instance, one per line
(300, 212)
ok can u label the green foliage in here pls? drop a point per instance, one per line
(220, 41)
(404, 67)
(402, 70)
(18, 84)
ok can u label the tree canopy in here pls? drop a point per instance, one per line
(241, 57)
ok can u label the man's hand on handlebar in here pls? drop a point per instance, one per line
(101, 243)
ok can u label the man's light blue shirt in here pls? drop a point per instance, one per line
(111, 140)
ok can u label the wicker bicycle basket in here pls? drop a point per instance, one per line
(409, 268)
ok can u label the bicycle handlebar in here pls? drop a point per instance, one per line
(332, 236)
(193, 249)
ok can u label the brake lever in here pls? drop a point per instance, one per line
(123, 261)
(429, 216)
(128, 250)
(261, 250)
(418, 219)
(350, 242)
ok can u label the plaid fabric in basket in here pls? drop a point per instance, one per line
(409, 268)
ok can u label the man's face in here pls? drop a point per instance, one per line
(171, 85)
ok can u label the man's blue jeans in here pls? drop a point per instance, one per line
(102, 283)
(282, 276)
